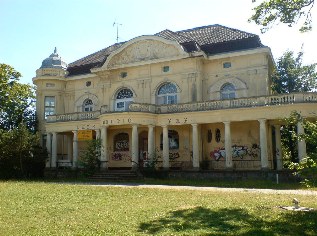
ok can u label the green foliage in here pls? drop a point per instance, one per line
(270, 12)
(307, 167)
(17, 101)
(30, 208)
(292, 76)
(20, 152)
(25, 159)
(90, 159)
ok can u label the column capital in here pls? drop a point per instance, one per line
(194, 125)
(164, 126)
(152, 126)
(262, 120)
(227, 122)
(75, 131)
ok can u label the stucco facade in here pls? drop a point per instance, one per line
(187, 102)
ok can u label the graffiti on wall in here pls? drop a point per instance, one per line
(237, 152)
(121, 156)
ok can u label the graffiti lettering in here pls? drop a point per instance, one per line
(237, 152)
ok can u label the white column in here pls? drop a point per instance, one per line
(195, 147)
(104, 147)
(49, 148)
(301, 143)
(75, 149)
(263, 144)
(69, 147)
(278, 148)
(135, 147)
(150, 147)
(54, 149)
(97, 133)
(166, 158)
(228, 145)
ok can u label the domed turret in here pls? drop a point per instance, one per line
(54, 61)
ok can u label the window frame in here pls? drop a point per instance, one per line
(227, 91)
(49, 106)
(167, 97)
(122, 104)
(89, 107)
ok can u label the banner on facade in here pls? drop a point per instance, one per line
(84, 135)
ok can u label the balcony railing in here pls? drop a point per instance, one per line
(74, 116)
(273, 100)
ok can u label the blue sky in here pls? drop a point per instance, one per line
(30, 29)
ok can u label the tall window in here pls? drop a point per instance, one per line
(227, 91)
(123, 99)
(167, 94)
(88, 105)
(49, 106)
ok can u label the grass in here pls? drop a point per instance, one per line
(258, 184)
(37, 208)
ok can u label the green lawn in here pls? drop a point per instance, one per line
(34, 208)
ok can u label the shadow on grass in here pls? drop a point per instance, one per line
(199, 220)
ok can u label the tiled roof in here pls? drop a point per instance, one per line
(211, 39)
(83, 65)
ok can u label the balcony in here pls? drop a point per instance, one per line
(273, 100)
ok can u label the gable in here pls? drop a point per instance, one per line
(143, 50)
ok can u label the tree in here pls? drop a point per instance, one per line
(270, 12)
(17, 101)
(20, 152)
(289, 76)
(90, 159)
(292, 76)
(306, 169)
(26, 158)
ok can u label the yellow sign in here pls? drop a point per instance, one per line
(84, 135)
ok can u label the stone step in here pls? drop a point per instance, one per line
(115, 175)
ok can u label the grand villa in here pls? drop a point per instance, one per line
(191, 99)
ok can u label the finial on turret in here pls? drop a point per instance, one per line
(55, 50)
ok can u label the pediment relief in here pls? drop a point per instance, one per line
(138, 51)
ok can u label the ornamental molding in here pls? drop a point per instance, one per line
(237, 83)
(81, 99)
(144, 49)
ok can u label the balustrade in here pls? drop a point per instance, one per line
(272, 100)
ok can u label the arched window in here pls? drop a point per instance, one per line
(173, 140)
(227, 91)
(123, 99)
(167, 94)
(88, 105)
(121, 142)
